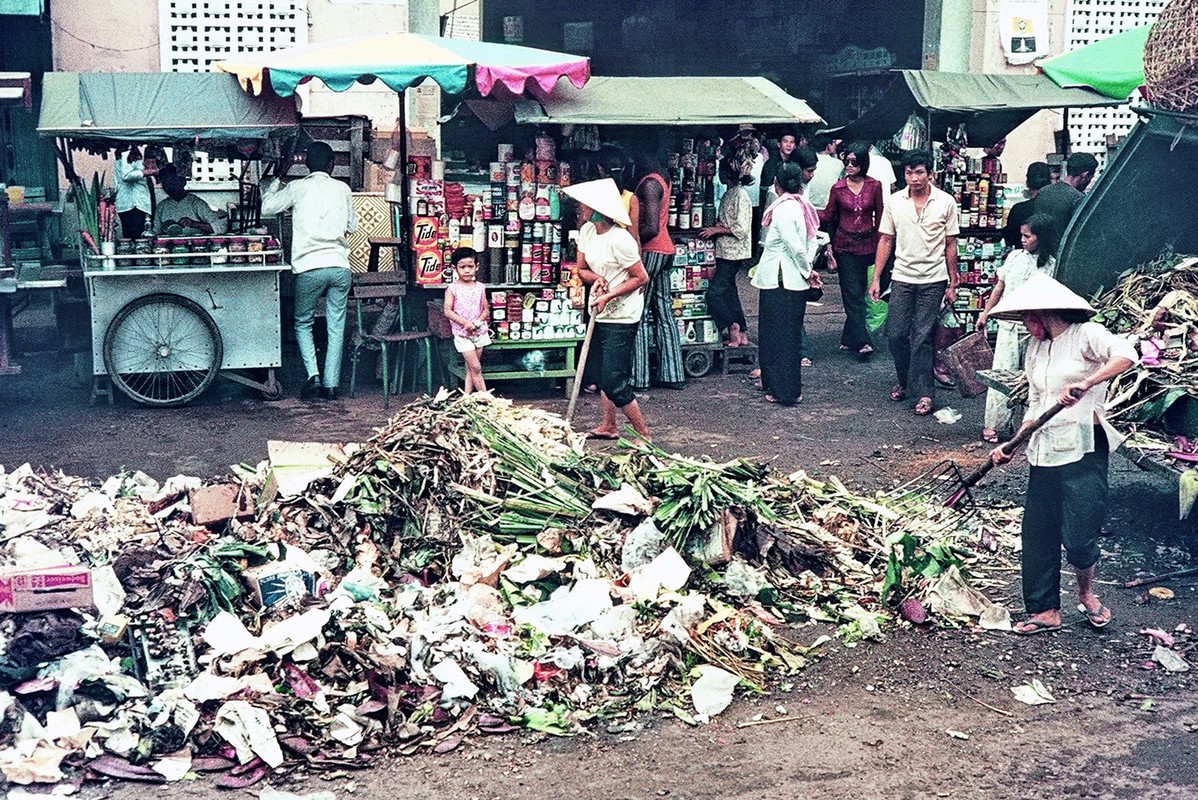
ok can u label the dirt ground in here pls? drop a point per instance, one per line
(866, 722)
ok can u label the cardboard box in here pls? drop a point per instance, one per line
(294, 465)
(45, 588)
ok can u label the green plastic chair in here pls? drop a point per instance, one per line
(382, 293)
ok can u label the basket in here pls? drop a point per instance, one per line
(964, 358)
(1171, 57)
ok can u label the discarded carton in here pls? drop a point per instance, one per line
(45, 588)
(294, 576)
(217, 505)
(294, 465)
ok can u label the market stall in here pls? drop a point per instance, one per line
(427, 203)
(962, 111)
(170, 312)
(566, 128)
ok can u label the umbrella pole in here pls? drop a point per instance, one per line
(404, 223)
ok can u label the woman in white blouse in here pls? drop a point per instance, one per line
(785, 278)
(1039, 238)
(1069, 361)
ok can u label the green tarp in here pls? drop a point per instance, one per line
(667, 101)
(1113, 66)
(22, 8)
(990, 106)
(160, 107)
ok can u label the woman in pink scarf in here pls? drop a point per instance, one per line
(784, 275)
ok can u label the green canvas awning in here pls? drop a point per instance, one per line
(990, 106)
(160, 107)
(1113, 66)
(667, 101)
(22, 8)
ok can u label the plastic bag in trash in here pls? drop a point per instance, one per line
(533, 361)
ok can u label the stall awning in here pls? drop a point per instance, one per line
(1113, 66)
(159, 107)
(990, 106)
(667, 101)
(403, 60)
(24, 8)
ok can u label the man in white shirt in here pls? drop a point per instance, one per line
(181, 208)
(920, 226)
(322, 216)
(827, 170)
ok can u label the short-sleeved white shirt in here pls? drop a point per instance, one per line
(919, 254)
(1051, 366)
(610, 255)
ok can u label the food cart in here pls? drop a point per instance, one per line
(169, 313)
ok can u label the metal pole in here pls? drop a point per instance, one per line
(404, 219)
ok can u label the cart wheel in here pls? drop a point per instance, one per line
(697, 363)
(162, 350)
(272, 390)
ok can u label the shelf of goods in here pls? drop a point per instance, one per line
(516, 227)
(979, 255)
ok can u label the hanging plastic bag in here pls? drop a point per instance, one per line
(913, 135)
(875, 310)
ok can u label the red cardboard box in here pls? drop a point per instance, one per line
(45, 588)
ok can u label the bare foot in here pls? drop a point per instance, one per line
(1043, 622)
(754, 374)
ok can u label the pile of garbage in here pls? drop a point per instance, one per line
(1157, 305)
(468, 570)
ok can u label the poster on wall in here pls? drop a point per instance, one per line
(1023, 27)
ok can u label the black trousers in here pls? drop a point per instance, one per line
(911, 329)
(723, 301)
(853, 272)
(611, 349)
(1065, 505)
(781, 331)
(133, 223)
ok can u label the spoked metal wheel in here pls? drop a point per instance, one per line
(162, 350)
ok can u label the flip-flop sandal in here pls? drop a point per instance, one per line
(611, 437)
(1037, 626)
(1095, 617)
(990, 436)
(898, 394)
(923, 407)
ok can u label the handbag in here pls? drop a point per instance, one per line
(813, 294)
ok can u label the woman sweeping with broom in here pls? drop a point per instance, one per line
(1069, 361)
(609, 260)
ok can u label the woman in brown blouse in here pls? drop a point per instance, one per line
(854, 212)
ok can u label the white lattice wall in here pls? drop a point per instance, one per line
(195, 33)
(1087, 21)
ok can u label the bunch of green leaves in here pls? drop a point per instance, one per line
(217, 567)
(694, 493)
(911, 560)
(88, 202)
(534, 490)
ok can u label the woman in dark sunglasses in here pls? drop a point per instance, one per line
(853, 213)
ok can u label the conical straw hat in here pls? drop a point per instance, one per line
(602, 196)
(1039, 293)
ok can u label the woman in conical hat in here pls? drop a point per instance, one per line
(1069, 360)
(610, 261)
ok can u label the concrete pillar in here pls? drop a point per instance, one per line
(931, 34)
(424, 16)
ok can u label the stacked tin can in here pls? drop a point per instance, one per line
(524, 236)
